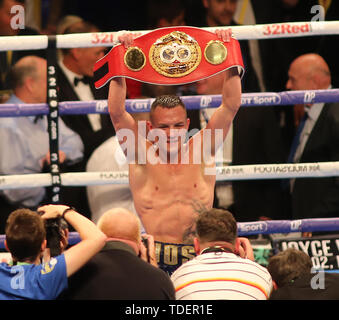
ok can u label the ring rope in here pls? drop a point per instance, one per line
(109, 39)
(223, 173)
(257, 227)
(191, 102)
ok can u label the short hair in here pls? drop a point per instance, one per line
(167, 101)
(18, 73)
(288, 265)
(79, 27)
(216, 225)
(25, 233)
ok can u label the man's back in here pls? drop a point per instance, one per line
(223, 276)
(117, 273)
(301, 289)
(30, 281)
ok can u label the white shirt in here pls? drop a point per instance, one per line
(313, 115)
(23, 143)
(221, 276)
(84, 93)
(108, 157)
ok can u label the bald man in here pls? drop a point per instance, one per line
(318, 141)
(24, 141)
(117, 272)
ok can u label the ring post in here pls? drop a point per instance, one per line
(53, 116)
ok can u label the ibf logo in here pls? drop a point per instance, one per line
(309, 96)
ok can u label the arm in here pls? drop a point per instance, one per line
(121, 119)
(92, 239)
(231, 100)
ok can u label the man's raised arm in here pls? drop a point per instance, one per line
(121, 119)
(231, 100)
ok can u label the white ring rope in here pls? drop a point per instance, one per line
(109, 39)
(229, 173)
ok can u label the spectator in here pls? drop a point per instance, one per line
(24, 141)
(317, 142)
(161, 14)
(27, 278)
(116, 272)
(222, 268)
(75, 83)
(294, 279)
(110, 157)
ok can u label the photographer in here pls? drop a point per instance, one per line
(27, 278)
(120, 271)
(224, 267)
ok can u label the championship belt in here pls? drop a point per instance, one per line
(168, 56)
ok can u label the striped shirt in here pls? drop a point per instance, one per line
(221, 276)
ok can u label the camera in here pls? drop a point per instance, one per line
(54, 234)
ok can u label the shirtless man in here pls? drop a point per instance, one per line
(169, 194)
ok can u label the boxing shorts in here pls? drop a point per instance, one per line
(170, 56)
(170, 256)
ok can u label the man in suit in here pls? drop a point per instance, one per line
(75, 83)
(117, 272)
(318, 141)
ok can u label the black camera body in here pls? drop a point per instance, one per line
(53, 235)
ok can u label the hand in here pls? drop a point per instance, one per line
(52, 211)
(224, 34)
(245, 248)
(151, 250)
(127, 39)
(47, 158)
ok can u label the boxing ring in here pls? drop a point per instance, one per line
(53, 109)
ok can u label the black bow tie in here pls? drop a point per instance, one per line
(85, 80)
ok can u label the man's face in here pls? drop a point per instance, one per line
(5, 18)
(174, 123)
(298, 78)
(220, 12)
(87, 57)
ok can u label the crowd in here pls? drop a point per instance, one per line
(172, 207)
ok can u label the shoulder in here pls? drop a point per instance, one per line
(12, 125)
(333, 109)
